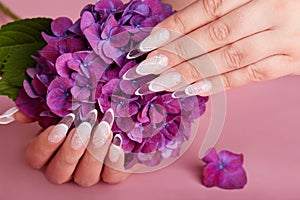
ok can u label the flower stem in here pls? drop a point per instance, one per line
(8, 12)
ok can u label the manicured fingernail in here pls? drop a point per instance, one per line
(155, 40)
(109, 117)
(58, 133)
(131, 74)
(91, 117)
(68, 120)
(115, 149)
(101, 134)
(153, 65)
(200, 88)
(8, 116)
(81, 136)
(134, 53)
(165, 82)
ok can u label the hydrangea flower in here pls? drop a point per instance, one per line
(80, 69)
(224, 170)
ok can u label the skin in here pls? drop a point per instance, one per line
(246, 41)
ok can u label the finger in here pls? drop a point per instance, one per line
(114, 171)
(90, 166)
(41, 148)
(232, 57)
(62, 166)
(22, 118)
(267, 69)
(243, 22)
(201, 12)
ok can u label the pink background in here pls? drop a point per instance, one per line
(262, 122)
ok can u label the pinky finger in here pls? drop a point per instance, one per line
(267, 69)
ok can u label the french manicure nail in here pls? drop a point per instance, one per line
(199, 88)
(165, 82)
(109, 117)
(153, 65)
(81, 136)
(91, 117)
(101, 134)
(131, 74)
(8, 116)
(115, 149)
(144, 90)
(58, 133)
(155, 40)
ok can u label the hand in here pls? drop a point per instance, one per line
(227, 44)
(77, 155)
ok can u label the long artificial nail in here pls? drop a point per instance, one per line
(60, 131)
(155, 40)
(115, 149)
(92, 117)
(8, 116)
(134, 53)
(165, 82)
(144, 90)
(131, 75)
(81, 136)
(101, 134)
(200, 88)
(109, 117)
(153, 65)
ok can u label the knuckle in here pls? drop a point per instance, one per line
(69, 159)
(233, 57)
(194, 74)
(219, 32)
(213, 8)
(226, 82)
(180, 51)
(179, 23)
(255, 74)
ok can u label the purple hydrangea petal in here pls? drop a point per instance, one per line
(60, 25)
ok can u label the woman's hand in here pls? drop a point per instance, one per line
(78, 154)
(226, 44)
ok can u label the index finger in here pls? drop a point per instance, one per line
(190, 18)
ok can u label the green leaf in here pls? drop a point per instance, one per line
(19, 40)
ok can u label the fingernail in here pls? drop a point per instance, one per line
(115, 149)
(101, 134)
(58, 133)
(144, 90)
(8, 116)
(91, 117)
(109, 117)
(134, 53)
(131, 74)
(200, 88)
(155, 40)
(153, 65)
(165, 82)
(81, 136)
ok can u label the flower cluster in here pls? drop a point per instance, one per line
(81, 67)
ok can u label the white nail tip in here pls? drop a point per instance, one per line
(115, 150)
(81, 136)
(8, 116)
(58, 133)
(167, 81)
(101, 134)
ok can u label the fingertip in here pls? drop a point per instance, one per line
(22, 118)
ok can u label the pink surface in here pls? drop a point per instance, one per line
(262, 122)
